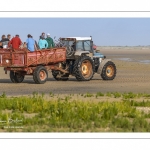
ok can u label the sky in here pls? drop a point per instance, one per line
(104, 31)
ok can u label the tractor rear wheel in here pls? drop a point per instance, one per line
(108, 71)
(16, 77)
(40, 75)
(83, 68)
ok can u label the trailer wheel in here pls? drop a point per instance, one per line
(108, 71)
(40, 75)
(83, 68)
(16, 77)
(62, 78)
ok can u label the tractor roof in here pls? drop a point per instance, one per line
(77, 38)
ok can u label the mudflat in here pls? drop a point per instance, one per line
(133, 75)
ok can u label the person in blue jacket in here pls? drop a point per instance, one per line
(43, 43)
(30, 43)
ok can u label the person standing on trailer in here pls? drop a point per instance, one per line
(42, 35)
(43, 43)
(49, 41)
(15, 42)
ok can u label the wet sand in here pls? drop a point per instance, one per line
(133, 75)
(130, 54)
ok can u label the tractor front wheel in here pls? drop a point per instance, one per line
(108, 71)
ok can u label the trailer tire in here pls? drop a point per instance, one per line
(108, 71)
(83, 68)
(40, 75)
(16, 77)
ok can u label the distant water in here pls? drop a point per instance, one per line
(125, 59)
(134, 60)
(145, 61)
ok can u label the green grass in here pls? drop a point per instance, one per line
(36, 113)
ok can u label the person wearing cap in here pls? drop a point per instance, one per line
(49, 41)
(15, 42)
(30, 43)
(43, 43)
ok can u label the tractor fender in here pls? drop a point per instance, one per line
(79, 53)
(103, 62)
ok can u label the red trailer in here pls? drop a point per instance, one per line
(22, 62)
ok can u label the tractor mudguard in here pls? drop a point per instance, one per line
(99, 70)
(79, 53)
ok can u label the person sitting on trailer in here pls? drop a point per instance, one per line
(30, 43)
(36, 44)
(1, 44)
(43, 43)
(15, 42)
(8, 37)
(4, 42)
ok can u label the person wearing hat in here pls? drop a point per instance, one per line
(49, 41)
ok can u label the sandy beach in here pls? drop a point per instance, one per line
(133, 75)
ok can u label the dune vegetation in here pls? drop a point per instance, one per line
(100, 112)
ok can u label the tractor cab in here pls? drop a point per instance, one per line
(77, 45)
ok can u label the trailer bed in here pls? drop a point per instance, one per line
(24, 58)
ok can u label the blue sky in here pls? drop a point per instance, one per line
(105, 31)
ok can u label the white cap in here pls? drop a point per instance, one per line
(48, 34)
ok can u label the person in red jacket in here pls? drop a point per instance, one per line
(15, 42)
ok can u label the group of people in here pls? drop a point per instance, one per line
(30, 44)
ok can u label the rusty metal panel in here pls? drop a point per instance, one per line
(22, 58)
(18, 59)
(46, 57)
(5, 58)
(9, 58)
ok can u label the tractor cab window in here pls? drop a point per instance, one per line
(79, 45)
(87, 45)
(67, 43)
